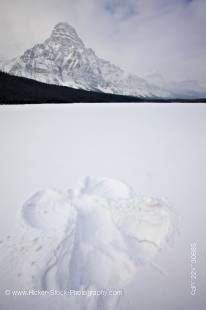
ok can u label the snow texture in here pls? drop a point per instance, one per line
(95, 236)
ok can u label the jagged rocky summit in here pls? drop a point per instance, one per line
(63, 59)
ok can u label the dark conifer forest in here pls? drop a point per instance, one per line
(20, 90)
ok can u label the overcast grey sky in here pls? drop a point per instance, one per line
(145, 37)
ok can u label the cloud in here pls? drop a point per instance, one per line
(121, 9)
(143, 37)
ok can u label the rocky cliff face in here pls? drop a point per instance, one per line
(63, 59)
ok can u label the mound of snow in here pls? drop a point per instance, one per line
(94, 236)
(47, 210)
(114, 231)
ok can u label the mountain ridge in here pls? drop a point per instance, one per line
(63, 59)
(16, 90)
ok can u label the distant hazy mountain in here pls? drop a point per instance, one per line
(187, 89)
(63, 59)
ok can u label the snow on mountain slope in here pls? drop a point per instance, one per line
(63, 59)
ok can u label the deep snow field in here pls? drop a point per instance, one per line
(102, 197)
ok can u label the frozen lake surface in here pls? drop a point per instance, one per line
(158, 149)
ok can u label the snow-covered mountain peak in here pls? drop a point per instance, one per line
(63, 59)
(64, 31)
(64, 27)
